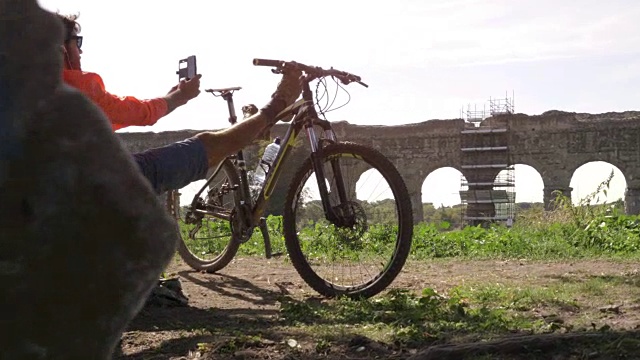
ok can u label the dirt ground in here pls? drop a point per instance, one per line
(245, 296)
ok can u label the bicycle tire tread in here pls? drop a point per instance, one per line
(403, 243)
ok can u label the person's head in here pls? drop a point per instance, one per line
(72, 42)
(277, 140)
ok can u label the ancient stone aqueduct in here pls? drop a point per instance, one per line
(554, 143)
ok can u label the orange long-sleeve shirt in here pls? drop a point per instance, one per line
(122, 111)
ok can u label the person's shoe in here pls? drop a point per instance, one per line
(249, 110)
(286, 93)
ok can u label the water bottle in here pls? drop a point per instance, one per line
(270, 153)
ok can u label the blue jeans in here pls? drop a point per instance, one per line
(174, 166)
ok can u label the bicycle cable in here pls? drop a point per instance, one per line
(320, 97)
(328, 106)
(335, 95)
(346, 91)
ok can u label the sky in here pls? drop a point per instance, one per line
(422, 59)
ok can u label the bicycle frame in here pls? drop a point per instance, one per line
(250, 213)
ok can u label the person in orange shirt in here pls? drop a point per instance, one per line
(176, 165)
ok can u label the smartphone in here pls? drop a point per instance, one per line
(187, 68)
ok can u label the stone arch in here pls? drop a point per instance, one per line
(528, 178)
(446, 181)
(521, 184)
(611, 158)
(556, 180)
(441, 186)
(593, 174)
(526, 183)
(414, 176)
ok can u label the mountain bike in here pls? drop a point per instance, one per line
(347, 217)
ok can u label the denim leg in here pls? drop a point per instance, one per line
(174, 166)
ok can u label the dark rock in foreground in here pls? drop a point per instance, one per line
(83, 238)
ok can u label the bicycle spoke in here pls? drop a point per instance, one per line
(207, 237)
(353, 253)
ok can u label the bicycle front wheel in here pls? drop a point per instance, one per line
(362, 252)
(207, 242)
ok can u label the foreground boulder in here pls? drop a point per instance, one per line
(83, 238)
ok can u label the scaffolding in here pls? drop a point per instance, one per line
(500, 194)
(502, 106)
(487, 190)
(474, 115)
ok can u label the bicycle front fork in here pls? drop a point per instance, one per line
(317, 159)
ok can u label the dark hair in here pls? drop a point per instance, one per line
(277, 140)
(71, 26)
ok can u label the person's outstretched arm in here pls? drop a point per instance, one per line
(125, 111)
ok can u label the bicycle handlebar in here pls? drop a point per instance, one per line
(313, 71)
(267, 62)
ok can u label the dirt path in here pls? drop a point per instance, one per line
(246, 293)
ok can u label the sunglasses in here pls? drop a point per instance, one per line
(78, 39)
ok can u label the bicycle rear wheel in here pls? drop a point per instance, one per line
(363, 254)
(207, 242)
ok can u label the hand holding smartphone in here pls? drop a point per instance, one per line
(187, 68)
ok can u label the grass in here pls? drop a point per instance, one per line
(609, 235)
(463, 310)
(567, 232)
(403, 317)
(473, 312)
(481, 310)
